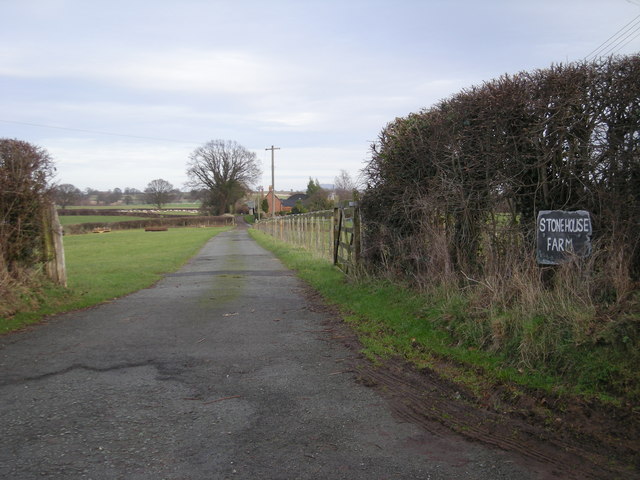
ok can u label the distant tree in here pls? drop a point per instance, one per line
(131, 195)
(313, 186)
(318, 197)
(159, 192)
(114, 195)
(196, 194)
(176, 194)
(66, 194)
(103, 197)
(299, 207)
(265, 205)
(226, 170)
(344, 186)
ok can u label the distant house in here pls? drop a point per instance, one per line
(269, 196)
(289, 203)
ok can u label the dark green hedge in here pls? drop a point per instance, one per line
(110, 212)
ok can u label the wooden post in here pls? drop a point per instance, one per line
(54, 249)
(356, 236)
(316, 235)
(337, 225)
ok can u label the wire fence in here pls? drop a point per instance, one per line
(312, 231)
(333, 235)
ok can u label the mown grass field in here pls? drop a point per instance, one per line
(77, 219)
(107, 266)
(393, 321)
(137, 206)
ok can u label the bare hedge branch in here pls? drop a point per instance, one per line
(25, 171)
(468, 176)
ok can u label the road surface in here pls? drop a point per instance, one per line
(221, 370)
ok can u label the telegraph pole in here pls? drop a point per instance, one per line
(273, 184)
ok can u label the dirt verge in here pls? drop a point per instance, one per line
(577, 439)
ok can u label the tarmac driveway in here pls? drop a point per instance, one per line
(221, 370)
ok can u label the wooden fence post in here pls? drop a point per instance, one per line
(55, 265)
(356, 236)
(337, 225)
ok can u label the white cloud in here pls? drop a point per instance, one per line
(184, 70)
(176, 70)
(106, 165)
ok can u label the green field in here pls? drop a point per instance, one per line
(103, 267)
(137, 206)
(76, 219)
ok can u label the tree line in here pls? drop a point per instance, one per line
(158, 192)
(221, 173)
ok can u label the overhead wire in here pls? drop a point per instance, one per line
(620, 44)
(98, 132)
(629, 41)
(615, 40)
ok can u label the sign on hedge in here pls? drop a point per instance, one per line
(563, 235)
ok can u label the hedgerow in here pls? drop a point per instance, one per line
(452, 197)
(25, 172)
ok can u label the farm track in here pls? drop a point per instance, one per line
(233, 368)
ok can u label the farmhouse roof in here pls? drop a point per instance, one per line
(291, 201)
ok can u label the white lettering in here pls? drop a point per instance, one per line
(559, 244)
(564, 225)
(568, 245)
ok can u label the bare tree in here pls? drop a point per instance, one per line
(67, 194)
(226, 170)
(115, 195)
(344, 185)
(159, 192)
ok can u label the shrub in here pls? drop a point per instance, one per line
(25, 171)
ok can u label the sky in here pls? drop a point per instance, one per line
(121, 92)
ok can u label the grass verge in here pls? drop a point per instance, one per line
(104, 267)
(395, 321)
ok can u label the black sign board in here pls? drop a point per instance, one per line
(563, 236)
